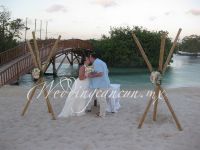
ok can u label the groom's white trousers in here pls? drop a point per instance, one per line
(101, 98)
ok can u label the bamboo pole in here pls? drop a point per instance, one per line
(171, 51)
(31, 96)
(28, 102)
(32, 54)
(162, 50)
(52, 52)
(145, 112)
(37, 52)
(50, 109)
(142, 52)
(155, 102)
(171, 109)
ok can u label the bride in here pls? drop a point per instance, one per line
(75, 105)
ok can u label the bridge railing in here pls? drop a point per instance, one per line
(76, 43)
(12, 53)
(17, 51)
(15, 70)
(21, 67)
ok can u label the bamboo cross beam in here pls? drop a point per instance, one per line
(142, 52)
(171, 51)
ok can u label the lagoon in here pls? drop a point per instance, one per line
(183, 72)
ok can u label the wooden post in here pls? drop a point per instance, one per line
(61, 62)
(95, 103)
(25, 29)
(40, 29)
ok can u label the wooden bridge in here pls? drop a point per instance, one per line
(18, 61)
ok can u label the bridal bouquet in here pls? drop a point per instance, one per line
(155, 77)
(36, 73)
(89, 69)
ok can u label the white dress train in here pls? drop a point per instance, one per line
(75, 104)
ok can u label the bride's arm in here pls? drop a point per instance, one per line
(94, 75)
(82, 73)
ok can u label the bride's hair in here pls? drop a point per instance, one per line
(83, 59)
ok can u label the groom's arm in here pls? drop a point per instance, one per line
(98, 71)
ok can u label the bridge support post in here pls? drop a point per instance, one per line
(53, 61)
(72, 59)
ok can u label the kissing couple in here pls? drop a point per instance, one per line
(92, 79)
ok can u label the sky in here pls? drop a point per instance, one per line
(85, 19)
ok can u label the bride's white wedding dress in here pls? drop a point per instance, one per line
(75, 104)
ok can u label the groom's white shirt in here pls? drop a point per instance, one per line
(103, 81)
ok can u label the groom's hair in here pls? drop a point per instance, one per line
(93, 54)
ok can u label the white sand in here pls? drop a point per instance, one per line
(36, 130)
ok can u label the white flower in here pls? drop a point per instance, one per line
(89, 69)
(155, 77)
(36, 73)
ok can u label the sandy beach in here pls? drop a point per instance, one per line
(36, 130)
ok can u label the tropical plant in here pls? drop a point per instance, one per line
(119, 49)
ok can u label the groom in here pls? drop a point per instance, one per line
(99, 81)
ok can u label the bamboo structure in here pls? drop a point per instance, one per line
(158, 88)
(38, 63)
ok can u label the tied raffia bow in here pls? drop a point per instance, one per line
(36, 73)
(155, 77)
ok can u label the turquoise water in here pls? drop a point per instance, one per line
(183, 72)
